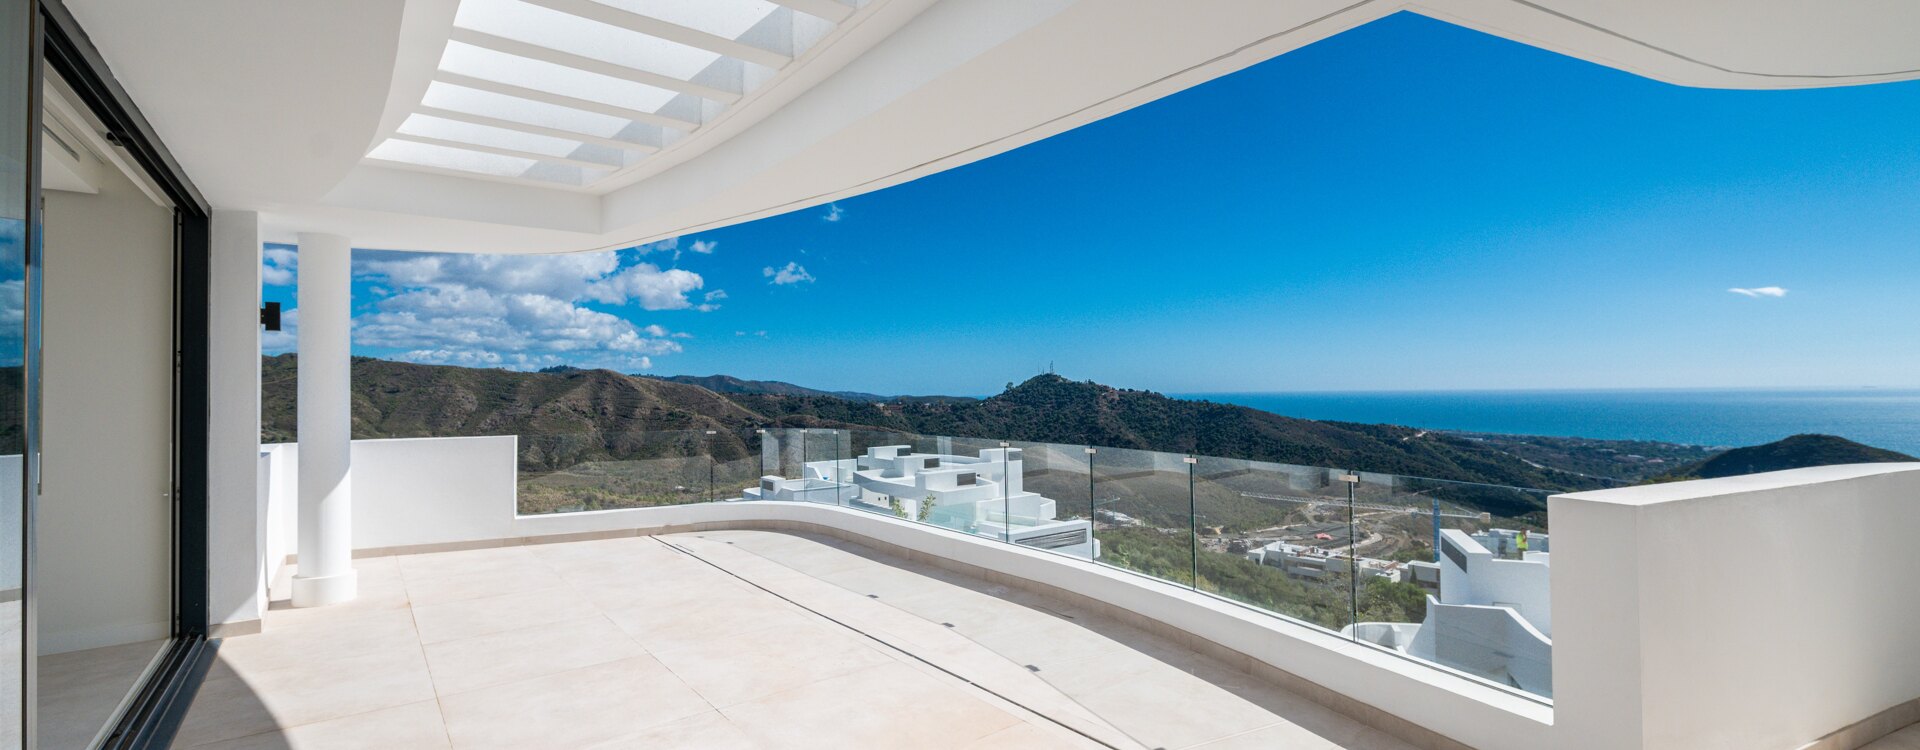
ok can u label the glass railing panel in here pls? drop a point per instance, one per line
(1460, 576)
(782, 451)
(826, 471)
(1278, 537)
(570, 472)
(1142, 512)
(1050, 498)
(739, 461)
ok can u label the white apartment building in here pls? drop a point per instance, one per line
(1488, 614)
(981, 494)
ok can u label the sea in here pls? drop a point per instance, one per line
(1885, 418)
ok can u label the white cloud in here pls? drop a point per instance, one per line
(565, 276)
(645, 283)
(792, 273)
(1760, 291)
(519, 311)
(834, 212)
(279, 266)
(670, 244)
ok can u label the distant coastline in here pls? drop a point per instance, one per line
(1883, 417)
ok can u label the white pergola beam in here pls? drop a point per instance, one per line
(655, 27)
(589, 64)
(514, 152)
(515, 125)
(832, 10)
(587, 105)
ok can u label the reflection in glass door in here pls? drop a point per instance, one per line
(16, 139)
(103, 515)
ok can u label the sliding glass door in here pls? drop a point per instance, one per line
(103, 517)
(102, 351)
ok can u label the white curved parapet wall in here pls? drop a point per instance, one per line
(1753, 612)
(1747, 612)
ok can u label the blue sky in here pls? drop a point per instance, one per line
(1407, 206)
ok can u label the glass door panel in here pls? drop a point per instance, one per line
(103, 519)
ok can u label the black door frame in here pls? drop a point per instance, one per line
(158, 706)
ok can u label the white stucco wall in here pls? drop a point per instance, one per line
(236, 529)
(1747, 612)
(408, 492)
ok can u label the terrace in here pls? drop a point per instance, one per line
(724, 639)
(170, 580)
(1192, 588)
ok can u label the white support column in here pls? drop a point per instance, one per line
(325, 554)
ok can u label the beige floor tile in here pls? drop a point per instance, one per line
(231, 704)
(731, 669)
(889, 706)
(378, 588)
(466, 618)
(660, 629)
(463, 562)
(664, 589)
(497, 658)
(1905, 739)
(1035, 638)
(1168, 708)
(708, 731)
(602, 552)
(483, 583)
(285, 646)
(966, 611)
(415, 726)
(1279, 735)
(571, 709)
(1030, 736)
(545, 646)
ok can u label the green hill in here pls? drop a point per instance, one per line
(566, 418)
(1797, 452)
(729, 384)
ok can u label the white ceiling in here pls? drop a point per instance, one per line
(564, 125)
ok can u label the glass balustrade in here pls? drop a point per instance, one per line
(583, 471)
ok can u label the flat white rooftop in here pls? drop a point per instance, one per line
(725, 639)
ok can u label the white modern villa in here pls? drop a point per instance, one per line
(980, 494)
(1492, 614)
(168, 581)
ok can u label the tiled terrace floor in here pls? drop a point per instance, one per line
(716, 640)
(1905, 739)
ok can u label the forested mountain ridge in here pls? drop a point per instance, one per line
(1796, 452)
(397, 399)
